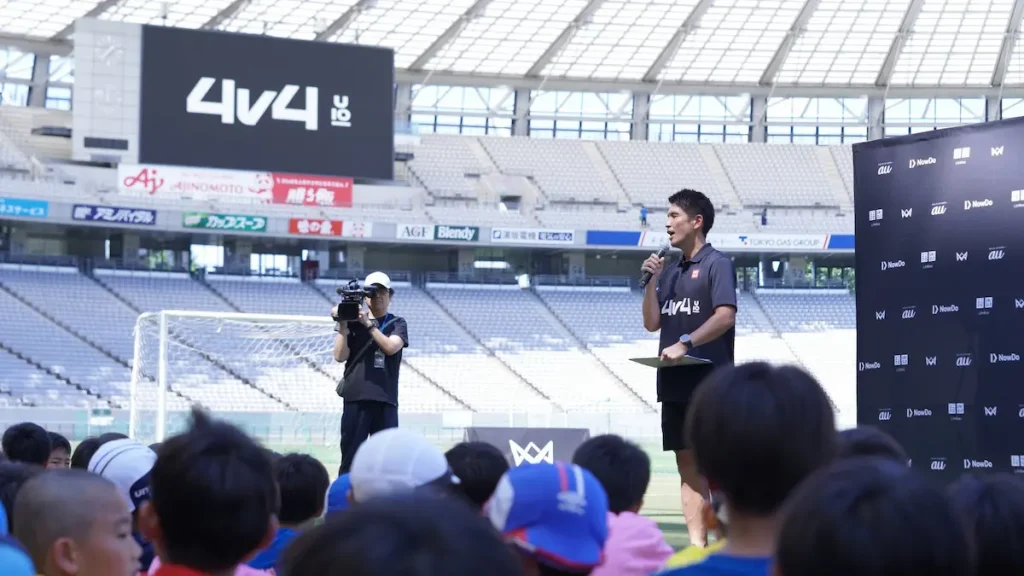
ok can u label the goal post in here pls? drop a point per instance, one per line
(269, 371)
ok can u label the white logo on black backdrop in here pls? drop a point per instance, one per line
(1018, 303)
(983, 305)
(880, 315)
(1016, 461)
(990, 410)
(900, 360)
(997, 150)
(909, 313)
(993, 358)
(862, 366)
(956, 408)
(938, 209)
(889, 264)
(930, 360)
(928, 259)
(969, 204)
(968, 464)
(884, 415)
(914, 413)
(915, 162)
(906, 212)
(938, 464)
(960, 155)
(943, 309)
(963, 360)
(961, 256)
(1017, 197)
(1020, 413)
(884, 168)
(875, 216)
(236, 104)
(997, 253)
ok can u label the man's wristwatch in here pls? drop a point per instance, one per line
(685, 341)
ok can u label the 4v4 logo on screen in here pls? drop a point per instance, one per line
(532, 454)
(237, 104)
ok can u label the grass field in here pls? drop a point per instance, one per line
(662, 503)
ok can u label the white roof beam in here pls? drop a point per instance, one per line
(670, 49)
(345, 20)
(779, 58)
(95, 12)
(36, 45)
(450, 34)
(1009, 41)
(581, 20)
(898, 41)
(226, 14)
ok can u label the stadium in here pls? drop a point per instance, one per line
(148, 266)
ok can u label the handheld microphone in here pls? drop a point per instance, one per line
(646, 276)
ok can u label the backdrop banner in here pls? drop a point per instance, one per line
(939, 228)
(531, 445)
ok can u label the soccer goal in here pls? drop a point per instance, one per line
(274, 375)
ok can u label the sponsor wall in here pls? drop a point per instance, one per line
(531, 445)
(253, 102)
(939, 306)
(227, 222)
(113, 214)
(732, 242)
(177, 182)
(24, 208)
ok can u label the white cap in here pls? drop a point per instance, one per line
(127, 464)
(377, 278)
(394, 461)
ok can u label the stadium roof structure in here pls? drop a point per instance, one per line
(782, 47)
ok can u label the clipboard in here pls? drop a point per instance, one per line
(656, 362)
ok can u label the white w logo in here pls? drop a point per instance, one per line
(930, 361)
(906, 213)
(532, 454)
(961, 256)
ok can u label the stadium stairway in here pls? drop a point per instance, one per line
(721, 176)
(604, 170)
(490, 353)
(836, 189)
(582, 343)
(213, 361)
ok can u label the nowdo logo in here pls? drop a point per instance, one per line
(915, 413)
(969, 204)
(884, 168)
(862, 366)
(969, 464)
(915, 162)
(884, 415)
(943, 309)
(237, 104)
(938, 464)
(995, 358)
(889, 264)
(938, 209)
(457, 233)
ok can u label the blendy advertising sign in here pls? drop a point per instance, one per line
(255, 102)
(176, 182)
(456, 233)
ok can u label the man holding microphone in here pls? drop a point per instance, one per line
(693, 303)
(372, 348)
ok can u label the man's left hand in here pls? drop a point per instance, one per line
(674, 353)
(364, 318)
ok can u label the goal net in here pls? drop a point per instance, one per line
(273, 375)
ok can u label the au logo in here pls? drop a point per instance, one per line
(532, 454)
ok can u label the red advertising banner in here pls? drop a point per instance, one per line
(176, 182)
(307, 227)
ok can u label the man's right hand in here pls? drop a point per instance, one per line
(654, 265)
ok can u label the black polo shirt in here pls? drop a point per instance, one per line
(688, 294)
(374, 376)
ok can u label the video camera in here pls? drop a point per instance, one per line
(352, 298)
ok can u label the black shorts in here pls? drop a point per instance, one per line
(673, 425)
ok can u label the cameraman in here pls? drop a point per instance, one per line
(372, 346)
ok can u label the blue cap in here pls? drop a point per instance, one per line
(556, 512)
(337, 495)
(13, 559)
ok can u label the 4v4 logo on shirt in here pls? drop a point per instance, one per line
(237, 103)
(532, 454)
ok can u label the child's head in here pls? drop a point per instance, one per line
(13, 476)
(303, 482)
(412, 534)
(76, 523)
(478, 466)
(870, 516)
(622, 468)
(757, 431)
(213, 498)
(83, 452)
(870, 442)
(60, 452)
(992, 511)
(26, 442)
